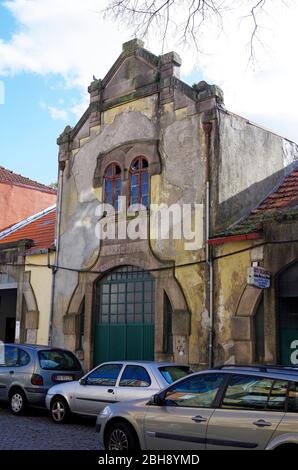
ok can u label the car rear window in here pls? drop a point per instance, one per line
(53, 359)
(173, 373)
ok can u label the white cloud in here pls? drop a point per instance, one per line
(56, 113)
(71, 38)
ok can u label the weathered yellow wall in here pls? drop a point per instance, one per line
(181, 182)
(41, 283)
(144, 106)
(230, 279)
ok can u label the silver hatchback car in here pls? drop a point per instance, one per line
(28, 371)
(111, 382)
(225, 408)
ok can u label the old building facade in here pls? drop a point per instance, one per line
(148, 136)
(260, 324)
(26, 253)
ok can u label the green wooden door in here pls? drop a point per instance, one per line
(124, 322)
(288, 315)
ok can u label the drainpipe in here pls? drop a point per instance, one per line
(207, 130)
(56, 262)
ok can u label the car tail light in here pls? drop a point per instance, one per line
(36, 379)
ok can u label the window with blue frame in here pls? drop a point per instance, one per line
(112, 185)
(139, 182)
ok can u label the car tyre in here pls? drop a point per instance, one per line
(18, 402)
(60, 411)
(121, 437)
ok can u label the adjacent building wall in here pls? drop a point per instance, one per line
(252, 162)
(41, 284)
(18, 203)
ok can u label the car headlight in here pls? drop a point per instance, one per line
(105, 412)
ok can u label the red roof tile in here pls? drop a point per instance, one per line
(41, 230)
(285, 197)
(281, 200)
(9, 177)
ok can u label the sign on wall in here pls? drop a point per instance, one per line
(258, 277)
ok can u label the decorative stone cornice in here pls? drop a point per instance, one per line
(131, 46)
(64, 142)
(206, 91)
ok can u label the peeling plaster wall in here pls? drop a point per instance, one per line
(181, 181)
(230, 280)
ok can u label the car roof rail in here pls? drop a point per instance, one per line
(259, 367)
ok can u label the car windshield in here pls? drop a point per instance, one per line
(173, 373)
(54, 359)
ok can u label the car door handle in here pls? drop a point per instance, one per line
(199, 419)
(110, 390)
(11, 372)
(261, 423)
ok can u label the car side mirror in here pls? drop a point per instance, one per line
(158, 400)
(83, 381)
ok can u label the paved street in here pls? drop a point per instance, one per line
(36, 431)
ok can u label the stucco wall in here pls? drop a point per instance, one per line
(230, 280)
(41, 283)
(181, 181)
(252, 161)
(178, 139)
(17, 203)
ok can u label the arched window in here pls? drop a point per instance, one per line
(112, 184)
(139, 182)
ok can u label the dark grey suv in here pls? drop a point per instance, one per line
(28, 371)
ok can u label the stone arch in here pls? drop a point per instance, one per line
(124, 155)
(29, 295)
(30, 312)
(165, 282)
(243, 324)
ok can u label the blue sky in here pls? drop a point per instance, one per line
(28, 131)
(50, 49)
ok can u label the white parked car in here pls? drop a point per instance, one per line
(111, 382)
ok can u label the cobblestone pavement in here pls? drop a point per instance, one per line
(36, 431)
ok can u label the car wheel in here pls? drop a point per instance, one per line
(18, 402)
(60, 411)
(121, 437)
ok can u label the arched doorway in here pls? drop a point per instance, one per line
(288, 315)
(124, 315)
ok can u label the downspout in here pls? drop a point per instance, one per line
(56, 262)
(207, 130)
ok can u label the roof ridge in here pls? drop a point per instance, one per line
(29, 180)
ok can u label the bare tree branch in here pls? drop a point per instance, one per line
(145, 16)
